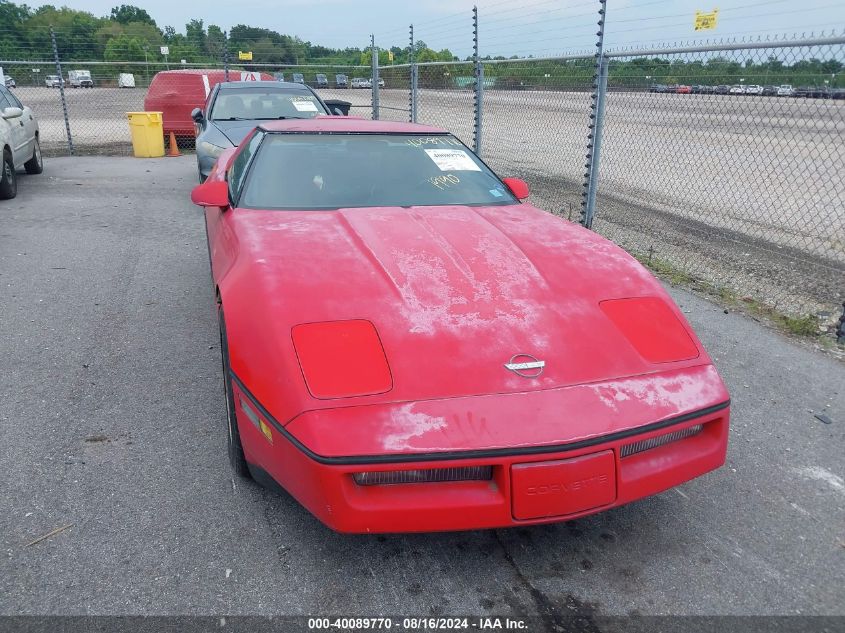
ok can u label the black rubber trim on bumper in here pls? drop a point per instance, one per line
(472, 454)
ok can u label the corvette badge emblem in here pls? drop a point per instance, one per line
(525, 365)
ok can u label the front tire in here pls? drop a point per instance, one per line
(35, 165)
(8, 177)
(236, 450)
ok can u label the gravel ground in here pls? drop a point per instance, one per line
(113, 423)
(744, 193)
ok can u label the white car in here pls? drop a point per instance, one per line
(10, 83)
(53, 81)
(786, 90)
(753, 89)
(737, 90)
(360, 82)
(18, 141)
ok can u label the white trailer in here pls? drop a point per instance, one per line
(126, 80)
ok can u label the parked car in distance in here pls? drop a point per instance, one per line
(234, 108)
(341, 81)
(126, 80)
(322, 81)
(80, 79)
(360, 82)
(19, 143)
(279, 76)
(658, 88)
(683, 90)
(785, 90)
(753, 89)
(722, 89)
(380, 83)
(737, 90)
(298, 78)
(9, 82)
(770, 91)
(53, 81)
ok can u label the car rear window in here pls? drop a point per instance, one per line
(330, 171)
(264, 104)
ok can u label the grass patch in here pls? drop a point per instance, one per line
(804, 326)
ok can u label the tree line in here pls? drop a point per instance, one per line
(130, 34)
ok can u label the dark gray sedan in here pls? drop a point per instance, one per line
(233, 108)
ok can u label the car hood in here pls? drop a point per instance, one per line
(234, 131)
(454, 294)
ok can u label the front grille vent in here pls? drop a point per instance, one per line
(660, 440)
(428, 475)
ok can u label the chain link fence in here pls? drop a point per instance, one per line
(721, 165)
(710, 175)
(94, 111)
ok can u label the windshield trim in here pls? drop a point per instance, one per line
(247, 180)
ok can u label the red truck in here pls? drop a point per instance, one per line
(175, 93)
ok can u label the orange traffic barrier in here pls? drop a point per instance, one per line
(174, 148)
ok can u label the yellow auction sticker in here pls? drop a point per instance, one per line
(706, 21)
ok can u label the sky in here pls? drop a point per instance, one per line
(507, 27)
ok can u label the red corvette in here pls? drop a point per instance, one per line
(409, 346)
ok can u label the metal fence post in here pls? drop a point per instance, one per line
(590, 210)
(588, 205)
(61, 89)
(479, 84)
(412, 105)
(375, 77)
(225, 56)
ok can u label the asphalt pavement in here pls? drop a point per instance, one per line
(112, 424)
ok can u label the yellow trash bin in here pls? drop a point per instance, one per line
(147, 134)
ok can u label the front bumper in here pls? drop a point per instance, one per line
(326, 487)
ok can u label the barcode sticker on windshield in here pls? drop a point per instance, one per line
(452, 160)
(305, 106)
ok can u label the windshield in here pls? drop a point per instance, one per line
(264, 104)
(330, 171)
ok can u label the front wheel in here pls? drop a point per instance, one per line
(35, 165)
(236, 450)
(8, 178)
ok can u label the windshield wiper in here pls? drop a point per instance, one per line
(278, 118)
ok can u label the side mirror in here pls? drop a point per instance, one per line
(519, 188)
(212, 193)
(12, 113)
(197, 115)
(338, 107)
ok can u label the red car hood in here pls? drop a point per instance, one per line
(454, 293)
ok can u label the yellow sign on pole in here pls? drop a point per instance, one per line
(706, 21)
(390, 56)
(245, 56)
